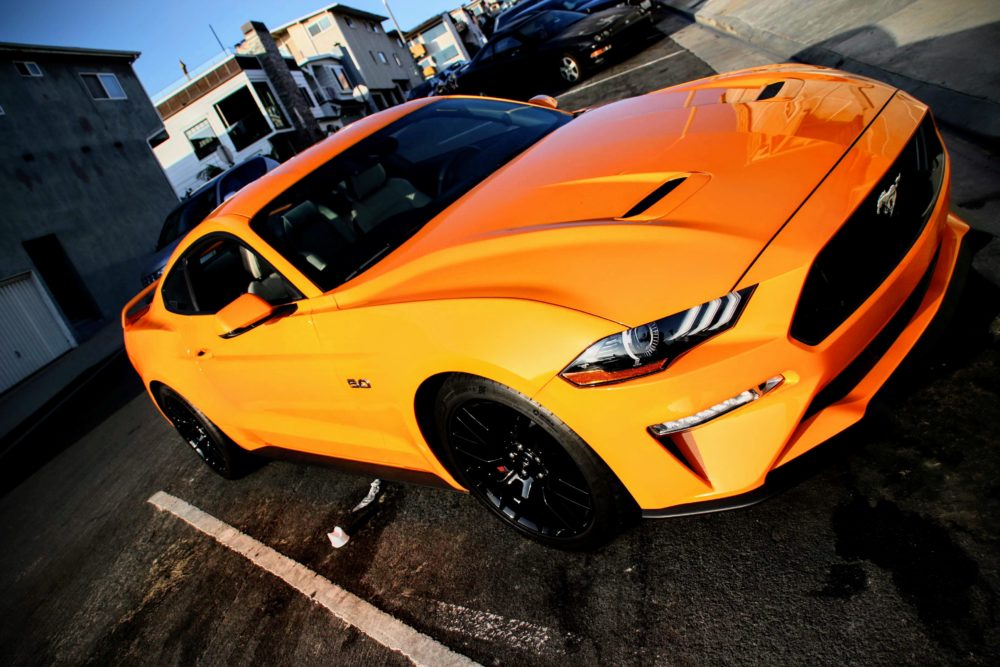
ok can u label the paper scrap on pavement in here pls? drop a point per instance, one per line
(338, 537)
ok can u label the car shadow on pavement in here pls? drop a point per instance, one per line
(940, 58)
(69, 416)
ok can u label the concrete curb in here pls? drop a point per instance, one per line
(970, 114)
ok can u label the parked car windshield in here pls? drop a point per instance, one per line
(546, 25)
(183, 218)
(346, 215)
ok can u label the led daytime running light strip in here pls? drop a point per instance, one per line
(717, 410)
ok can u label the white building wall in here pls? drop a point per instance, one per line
(176, 154)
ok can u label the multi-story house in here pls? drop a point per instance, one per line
(254, 102)
(450, 37)
(383, 63)
(81, 197)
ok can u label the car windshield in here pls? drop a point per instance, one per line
(346, 215)
(508, 16)
(183, 218)
(548, 24)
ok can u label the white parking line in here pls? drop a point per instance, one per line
(380, 626)
(615, 76)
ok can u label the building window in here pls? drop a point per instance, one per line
(25, 68)
(373, 26)
(398, 61)
(341, 77)
(310, 102)
(350, 23)
(104, 86)
(382, 59)
(202, 139)
(271, 105)
(2, 112)
(437, 31)
(243, 119)
(319, 26)
(444, 56)
(399, 42)
(157, 138)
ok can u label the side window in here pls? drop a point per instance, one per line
(507, 46)
(486, 55)
(218, 270)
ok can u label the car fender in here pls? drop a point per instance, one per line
(396, 348)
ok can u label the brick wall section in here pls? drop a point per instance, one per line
(307, 129)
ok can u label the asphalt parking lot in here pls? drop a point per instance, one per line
(884, 550)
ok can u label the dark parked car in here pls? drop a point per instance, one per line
(196, 208)
(442, 83)
(551, 48)
(506, 19)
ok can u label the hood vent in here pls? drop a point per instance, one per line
(770, 90)
(654, 196)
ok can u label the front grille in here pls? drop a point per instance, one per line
(873, 241)
(857, 370)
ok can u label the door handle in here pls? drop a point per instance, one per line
(203, 354)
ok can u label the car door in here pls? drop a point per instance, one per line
(495, 68)
(472, 79)
(510, 71)
(272, 384)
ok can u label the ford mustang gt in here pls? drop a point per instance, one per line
(636, 310)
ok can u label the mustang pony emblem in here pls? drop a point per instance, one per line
(887, 200)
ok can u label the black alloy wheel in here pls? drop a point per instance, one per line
(528, 467)
(220, 453)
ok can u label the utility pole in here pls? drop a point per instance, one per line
(402, 35)
(217, 38)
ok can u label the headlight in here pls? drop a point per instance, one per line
(651, 347)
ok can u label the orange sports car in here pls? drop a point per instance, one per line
(643, 308)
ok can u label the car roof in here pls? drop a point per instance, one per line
(527, 17)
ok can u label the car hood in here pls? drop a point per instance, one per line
(576, 220)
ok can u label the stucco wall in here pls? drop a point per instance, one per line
(360, 42)
(81, 169)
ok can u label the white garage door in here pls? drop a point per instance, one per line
(31, 332)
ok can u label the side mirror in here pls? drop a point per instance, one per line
(243, 314)
(544, 101)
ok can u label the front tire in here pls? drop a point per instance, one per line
(212, 446)
(528, 467)
(570, 70)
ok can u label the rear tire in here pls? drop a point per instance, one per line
(212, 446)
(528, 467)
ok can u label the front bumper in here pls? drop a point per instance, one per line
(624, 41)
(826, 388)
